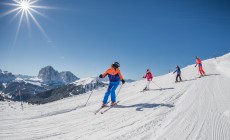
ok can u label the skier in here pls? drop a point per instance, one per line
(178, 71)
(115, 77)
(149, 77)
(199, 63)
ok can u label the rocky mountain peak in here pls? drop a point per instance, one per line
(68, 76)
(49, 74)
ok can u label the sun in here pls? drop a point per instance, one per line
(25, 9)
(25, 5)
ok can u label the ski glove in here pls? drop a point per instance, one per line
(100, 76)
(123, 81)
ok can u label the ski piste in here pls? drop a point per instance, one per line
(104, 111)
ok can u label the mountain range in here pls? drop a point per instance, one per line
(50, 85)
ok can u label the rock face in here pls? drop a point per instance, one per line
(6, 76)
(68, 77)
(49, 75)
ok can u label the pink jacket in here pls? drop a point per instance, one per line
(198, 61)
(148, 76)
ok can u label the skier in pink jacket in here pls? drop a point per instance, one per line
(200, 67)
(149, 78)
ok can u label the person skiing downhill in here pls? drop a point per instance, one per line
(178, 74)
(200, 68)
(149, 78)
(115, 77)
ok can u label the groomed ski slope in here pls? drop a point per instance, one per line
(198, 108)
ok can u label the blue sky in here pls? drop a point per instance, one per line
(86, 36)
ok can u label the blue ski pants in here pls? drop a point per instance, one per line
(111, 90)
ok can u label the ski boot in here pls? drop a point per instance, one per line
(113, 104)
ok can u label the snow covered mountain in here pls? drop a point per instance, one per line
(49, 75)
(195, 109)
(6, 76)
(78, 87)
(47, 79)
(68, 77)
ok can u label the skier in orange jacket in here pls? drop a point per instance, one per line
(115, 77)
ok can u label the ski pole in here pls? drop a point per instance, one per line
(89, 97)
(119, 90)
(157, 85)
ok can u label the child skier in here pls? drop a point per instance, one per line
(178, 74)
(115, 77)
(149, 77)
(200, 68)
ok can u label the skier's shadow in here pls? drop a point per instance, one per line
(163, 88)
(212, 74)
(188, 80)
(140, 107)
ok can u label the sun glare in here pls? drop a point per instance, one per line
(25, 9)
(25, 5)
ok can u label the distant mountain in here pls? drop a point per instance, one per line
(129, 80)
(48, 78)
(78, 87)
(68, 77)
(20, 76)
(26, 89)
(6, 76)
(49, 75)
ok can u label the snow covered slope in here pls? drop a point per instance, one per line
(198, 108)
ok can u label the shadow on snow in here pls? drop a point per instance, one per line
(140, 107)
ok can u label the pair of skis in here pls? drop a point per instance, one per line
(104, 111)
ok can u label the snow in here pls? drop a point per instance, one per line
(198, 108)
(85, 81)
(32, 80)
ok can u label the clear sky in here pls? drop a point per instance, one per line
(86, 36)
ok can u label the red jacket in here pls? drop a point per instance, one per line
(148, 76)
(198, 61)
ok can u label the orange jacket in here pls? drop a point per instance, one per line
(114, 75)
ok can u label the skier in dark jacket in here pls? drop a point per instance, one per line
(178, 71)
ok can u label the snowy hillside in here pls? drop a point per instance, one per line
(196, 109)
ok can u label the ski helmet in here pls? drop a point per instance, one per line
(116, 64)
